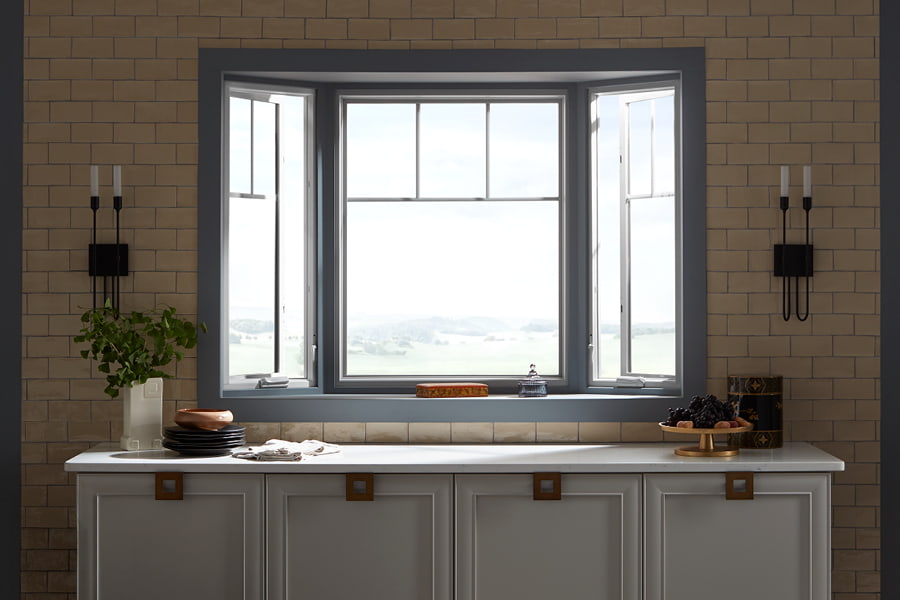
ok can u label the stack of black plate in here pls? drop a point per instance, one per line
(198, 442)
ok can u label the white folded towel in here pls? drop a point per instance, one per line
(284, 450)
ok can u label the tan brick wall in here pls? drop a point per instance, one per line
(789, 82)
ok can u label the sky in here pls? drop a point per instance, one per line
(486, 255)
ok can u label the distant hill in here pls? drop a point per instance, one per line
(425, 330)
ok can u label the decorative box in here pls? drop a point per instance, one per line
(758, 399)
(533, 385)
(451, 390)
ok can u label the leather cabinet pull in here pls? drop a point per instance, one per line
(739, 485)
(547, 486)
(360, 487)
(170, 486)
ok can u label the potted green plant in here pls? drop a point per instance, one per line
(131, 349)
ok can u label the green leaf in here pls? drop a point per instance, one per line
(132, 347)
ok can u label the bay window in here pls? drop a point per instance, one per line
(369, 230)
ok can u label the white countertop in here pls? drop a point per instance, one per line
(457, 458)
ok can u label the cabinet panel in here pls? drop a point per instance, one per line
(700, 546)
(585, 545)
(396, 546)
(208, 545)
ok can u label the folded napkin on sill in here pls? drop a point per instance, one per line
(284, 450)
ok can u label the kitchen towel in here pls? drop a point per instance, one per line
(284, 450)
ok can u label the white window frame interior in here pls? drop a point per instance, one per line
(346, 97)
(268, 93)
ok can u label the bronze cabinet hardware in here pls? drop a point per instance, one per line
(739, 485)
(360, 487)
(170, 486)
(547, 486)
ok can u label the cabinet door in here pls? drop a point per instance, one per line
(396, 546)
(702, 546)
(207, 545)
(586, 545)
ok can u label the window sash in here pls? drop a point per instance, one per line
(346, 381)
(630, 377)
(281, 234)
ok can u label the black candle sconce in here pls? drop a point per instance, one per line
(107, 262)
(793, 261)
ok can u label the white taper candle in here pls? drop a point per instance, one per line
(785, 178)
(807, 182)
(95, 183)
(117, 180)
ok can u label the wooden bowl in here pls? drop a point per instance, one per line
(207, 419)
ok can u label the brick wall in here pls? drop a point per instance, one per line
(789, 82)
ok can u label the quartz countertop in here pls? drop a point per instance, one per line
(459, 458)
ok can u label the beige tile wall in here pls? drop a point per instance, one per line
(789, 82)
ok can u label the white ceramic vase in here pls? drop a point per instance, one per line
(142, 422)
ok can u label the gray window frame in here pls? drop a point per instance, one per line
(353, 383)
(576, 70)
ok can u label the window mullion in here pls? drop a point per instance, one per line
(652, 156)
(592, 155)
(418, 149)
(624, 240)
(279, 308)
(252, 143)
(487, 149)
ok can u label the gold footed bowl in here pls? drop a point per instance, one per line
(707, 445)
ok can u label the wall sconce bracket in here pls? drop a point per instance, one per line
(102, 260)
(793, 260)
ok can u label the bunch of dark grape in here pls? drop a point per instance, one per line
(708, 410)
(696, 404)
(678, 414)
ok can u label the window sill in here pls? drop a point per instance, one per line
(285, 405)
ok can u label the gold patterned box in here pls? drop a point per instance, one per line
(451, 390)
(758, 400)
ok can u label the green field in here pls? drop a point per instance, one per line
(508, 353)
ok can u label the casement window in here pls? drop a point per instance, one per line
(376, 231)
(636, 235)
(270, 261)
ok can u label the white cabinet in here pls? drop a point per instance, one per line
(457, 523)
(585, 545)
(701, 546)
(395, 546)
(206, 545)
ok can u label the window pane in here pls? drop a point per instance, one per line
(239, 149)
(251, 285)
(263, 148)
(381, 150)
(664, 146)
(639, 147)
(452, 288)
(607, 224)
(652, 254)
(452, 161)
(524, 150)
(292, 218)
